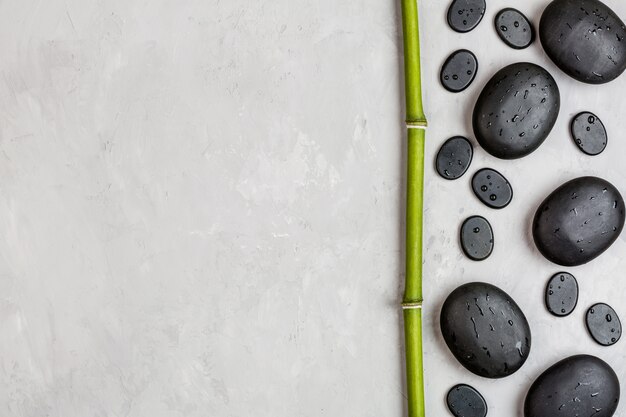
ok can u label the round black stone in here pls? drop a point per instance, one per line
(562, 294)
(477, 238)
(514, 28)
(465, 401)
(465, 15)
(589, 133)
(603, 324)
(454, 158)
(492, 188)
(459, 70)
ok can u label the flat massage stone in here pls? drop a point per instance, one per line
(514, 28)
(492, 188)
(589, 133)
(562, 294)
(465, 401)
(477, 239)
(459, 70)
(603, 324)
(454, 158)
(465, 15)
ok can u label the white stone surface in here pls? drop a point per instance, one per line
(201, 209)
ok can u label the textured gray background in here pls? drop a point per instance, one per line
(201, 209)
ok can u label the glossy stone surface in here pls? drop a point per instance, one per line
(516, 110)
(465, 401)
(579, 221)
(603, 324)
(465, 15)
(485, 330)
(585, 39)
(580, 385)
(562, 294)
(454, 158)
(459, 70)
(514, 28)
(492, 188)
(477, 238)
(589, 133)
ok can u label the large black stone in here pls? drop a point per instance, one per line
(580, 385)
(485, 330)
(584, 38)
(579, 221)
(465, 401)
(516, 110)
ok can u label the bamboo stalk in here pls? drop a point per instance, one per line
(416, 124)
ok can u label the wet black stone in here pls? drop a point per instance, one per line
(465, 15)
(589, 133)
(477, 238)
(585, 39)
(516, 111)
(603, 324)
(492, 188)
(562, 294)
(459, 70)
(579, 221)
(580, 385)
(454, 158)
(466, 401)
(485, 330)
(514, 28)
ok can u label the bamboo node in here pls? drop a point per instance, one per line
(412, 305)
(417, 124)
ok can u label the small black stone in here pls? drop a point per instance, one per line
(466, 401)
(492, 188)
(459, 70)
(514, 28)
(589, 133)
(562, 294)
(465, 15)
(454, 158)
(603, 324)
(477, 238)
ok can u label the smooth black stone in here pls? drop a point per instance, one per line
(514, 28)
(603, 324)
(465, 15)
(485, 330)
(581, 385)
(562, 294)
(585, 39)
(589, 133)
(466, 401)
(579, 221)
(516, 110)
(477, 238)
(492, 188)
(459, 70)
(454, 158)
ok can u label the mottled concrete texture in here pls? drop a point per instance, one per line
(201, 209)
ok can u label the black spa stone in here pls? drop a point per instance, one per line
(465, 401)
(580, 385)
(459, 70)
(516, 110)
(603, 324)
(562, 294)
(578, 221)
(514, 28)
(492, 188)
(585, 39)
(589, 133)
(477, 238)
(454, 158)
(465, 15)
(485, 330)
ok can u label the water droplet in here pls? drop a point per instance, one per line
(562, 278)
(493, 197)
(483, 188)
(608, 317)
(510, 322)
(477, 230)
(591, 119)
(550, 292)
(503, 28)
(516, 24)
(446, 77)
(455, 77)
(563, 310)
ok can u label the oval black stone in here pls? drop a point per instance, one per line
(585, 39)
(514, 28)
(477, 238)
(562, 294)
(581, 385)
(466, 401)
(516, 111)
(603, 324)
(485, 330)
(465, 15)
(459, 70)
(579, 221)
(589, 133)
(492, 188)
(454, 158)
